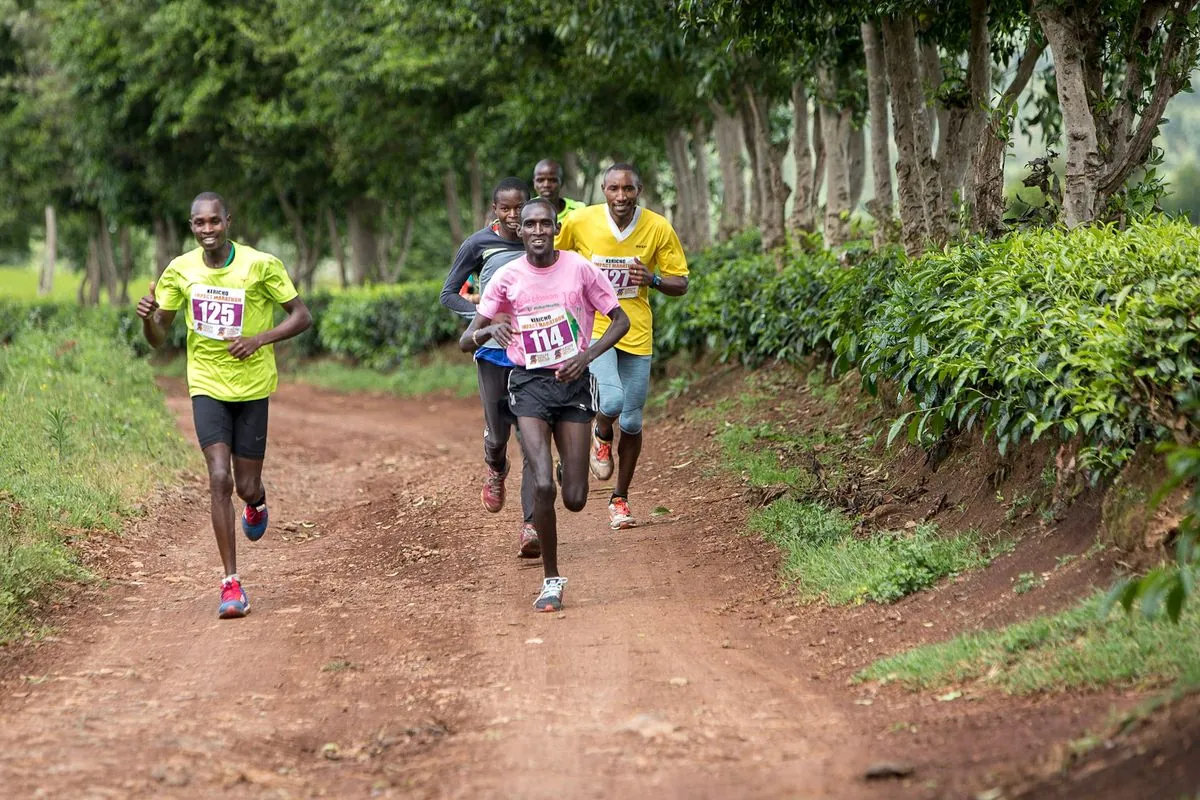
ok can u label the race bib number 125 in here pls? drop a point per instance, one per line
(617, 270)
(217, 311)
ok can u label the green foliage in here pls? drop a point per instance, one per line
(454, 374)
(826, 560)
(381, 326)
(1088, 333)
(1078, 648)
(83, 433)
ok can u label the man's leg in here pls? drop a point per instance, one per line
(249, 450)
(535, 446)
(497, 425)
(612, 401)
(220, 487)
(573, 440)
(634, 372)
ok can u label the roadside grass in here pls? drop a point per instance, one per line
(21, 283)
(83, 434)
(439, 374)
(825, 560)
(1076, 648)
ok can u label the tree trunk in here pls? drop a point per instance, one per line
(701, 200)
(166, 244)
(393, 270)
(922, 206)
(453, 209)
(962, 126)
(92, 279)
(930, 65)
(1083, 152)
(856, 158)
(108, 265)
(818, 162)
(335, 244)
(125, 273)
(681, 171)
(837, 173)
(754, 192)
(573, 177)
(730, 144)
(774, 190)
(987, 164)
(880, 206)
(361, 215)
(804, 216)
(50, 257)
(307, 254)
(478, 208)
(650, 196)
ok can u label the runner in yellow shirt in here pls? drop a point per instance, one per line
(547, 182)
(640, 252)
(228, 293)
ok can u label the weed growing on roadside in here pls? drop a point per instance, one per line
(825, 560)
(1075, 648)
(1027, 582)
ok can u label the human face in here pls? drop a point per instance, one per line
(210, 225)
(621, 192)
(507, 209)
(547, 182)
(538, 226)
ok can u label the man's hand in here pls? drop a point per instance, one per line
(573, 368)
(243, 347)
(147, 305)
(502, 332)
(639, 275)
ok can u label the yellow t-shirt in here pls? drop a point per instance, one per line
(649, 238)
(221, 304)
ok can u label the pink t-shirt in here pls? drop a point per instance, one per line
(552, 308)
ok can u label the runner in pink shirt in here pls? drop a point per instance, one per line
(551, 298)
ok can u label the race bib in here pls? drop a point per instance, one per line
(217, 311)
(617, 270)
(547, 337)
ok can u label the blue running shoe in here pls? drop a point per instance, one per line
(234, 603)
(254, 521)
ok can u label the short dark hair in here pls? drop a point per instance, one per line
(510, 184)
(209, 197)
(539, 201)
(624, 167)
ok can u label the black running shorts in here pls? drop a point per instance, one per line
(537, 393)
(241, 425)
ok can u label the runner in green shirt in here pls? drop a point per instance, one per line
(547, 182)
(228, 293)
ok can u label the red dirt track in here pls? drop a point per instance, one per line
(392, 650)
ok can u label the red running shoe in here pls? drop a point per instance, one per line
(493, 490)
(234, 603)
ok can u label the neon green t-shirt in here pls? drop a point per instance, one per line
(570, 205)
(220, 304)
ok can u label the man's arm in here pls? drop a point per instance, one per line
(298, 320)
(466, 261)
(577, 365)
(480, 330)
(155, 321)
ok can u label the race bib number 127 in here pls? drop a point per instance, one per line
(217, 311)
(617, 270)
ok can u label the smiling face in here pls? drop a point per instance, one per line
(621, 191)
(538, 226)
(507, 209)
(210, 224)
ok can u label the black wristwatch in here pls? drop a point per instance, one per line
(655, 281)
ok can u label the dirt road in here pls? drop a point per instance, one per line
(393, 652)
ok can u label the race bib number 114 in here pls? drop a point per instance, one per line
(547, 337)
(217, 311)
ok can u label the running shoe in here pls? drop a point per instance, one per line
(531, 546)
(254, 521)
(619, 517)
(551, 597)
(234, 603)
(493, 490)
(600, 459)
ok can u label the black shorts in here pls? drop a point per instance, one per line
(241, 425)
(537, 393)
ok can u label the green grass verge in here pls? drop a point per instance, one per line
(21, 283)
(83, 434)
(440, 374)
(826, 561)
(1076, 648)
